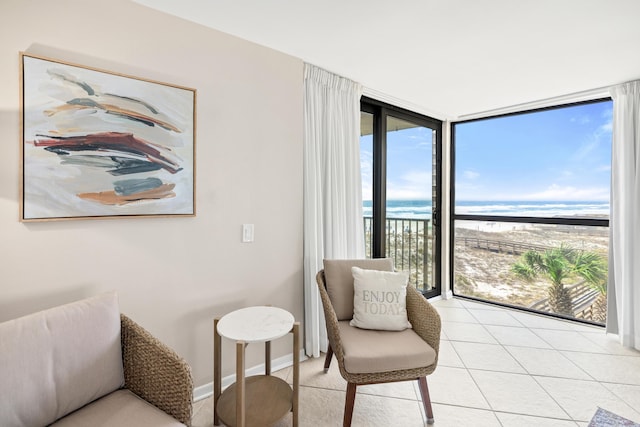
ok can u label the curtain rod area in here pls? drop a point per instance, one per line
(588, 95)
(389, 99)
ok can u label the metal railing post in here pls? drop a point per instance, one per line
(402, 248)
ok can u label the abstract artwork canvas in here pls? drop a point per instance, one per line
(97, 144)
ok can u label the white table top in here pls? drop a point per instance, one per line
(256, 324)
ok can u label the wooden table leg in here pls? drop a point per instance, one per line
(217, 371)
(296, 371)
(267, 358)
(240, 401)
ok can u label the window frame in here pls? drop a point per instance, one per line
(590, 222)
(380, 110)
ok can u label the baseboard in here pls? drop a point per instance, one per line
(444, 295)
(204, 391)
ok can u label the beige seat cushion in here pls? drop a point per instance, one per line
(364, 353)
(120, 408)
(339, 281)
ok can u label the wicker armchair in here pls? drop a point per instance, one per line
(346, 341)
(155, 372)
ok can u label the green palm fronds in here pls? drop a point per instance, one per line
(593, 268)
(556, 264)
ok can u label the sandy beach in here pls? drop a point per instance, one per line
(487, 274)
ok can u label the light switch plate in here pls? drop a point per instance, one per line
(247, 233)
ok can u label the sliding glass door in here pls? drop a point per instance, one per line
(400, 153)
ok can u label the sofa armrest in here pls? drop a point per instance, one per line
(331, 320)
(424, 318)
(155, 372)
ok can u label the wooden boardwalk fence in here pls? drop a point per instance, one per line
(582, 296)
(501, 246)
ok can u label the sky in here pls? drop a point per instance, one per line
(409, 162)
(554, 155)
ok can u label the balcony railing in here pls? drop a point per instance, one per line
(409, 244)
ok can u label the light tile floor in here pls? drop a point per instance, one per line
(497, 367)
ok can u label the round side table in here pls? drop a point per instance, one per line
(261, 399)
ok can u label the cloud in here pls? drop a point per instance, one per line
(411, 185)
(394, 193)
(585, 149)
(606, 127)
(466, 191)
(470, 175)
(567, 174)
(366, 171)
(417, 177)
(366, 163)
(601, 135)
(583, 120)
(556, 192)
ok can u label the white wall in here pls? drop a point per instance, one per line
(173, 275)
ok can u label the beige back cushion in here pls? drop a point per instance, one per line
(58, 360)
(339, 281)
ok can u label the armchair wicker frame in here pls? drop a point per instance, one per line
(155, 372)
(425, 321)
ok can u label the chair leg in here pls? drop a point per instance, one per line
(426, 400)
(327, 359)
(348, 404)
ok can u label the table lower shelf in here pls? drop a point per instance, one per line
(267, 400)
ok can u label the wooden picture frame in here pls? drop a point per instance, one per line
(98, 144)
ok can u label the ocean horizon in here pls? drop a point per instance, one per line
(422, 209)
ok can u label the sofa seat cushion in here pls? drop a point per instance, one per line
(120, 408)
(58, 360)
(363, 352)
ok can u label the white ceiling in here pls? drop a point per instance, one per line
(449, 58)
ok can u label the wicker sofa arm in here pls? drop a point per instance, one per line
(155, 372)
(424, 318)
(331, 319)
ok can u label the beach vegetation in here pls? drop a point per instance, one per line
(559, 264)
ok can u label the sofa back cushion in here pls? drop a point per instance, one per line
(339, 281)
(58, 360)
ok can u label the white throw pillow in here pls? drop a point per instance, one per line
(379, 300)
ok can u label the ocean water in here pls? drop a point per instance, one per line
(421, 209)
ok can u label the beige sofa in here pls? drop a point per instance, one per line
(85, 364)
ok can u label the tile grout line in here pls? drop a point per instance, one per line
(536, 381)
(553, 398)
(535, 377)
(469, 371)
(633, 408)
(466, 368)
(481, 323)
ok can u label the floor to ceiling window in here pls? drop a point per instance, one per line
(400, 152)
(531, 209)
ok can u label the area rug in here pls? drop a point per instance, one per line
(604, 418)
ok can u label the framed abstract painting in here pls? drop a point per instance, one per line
(97, 144)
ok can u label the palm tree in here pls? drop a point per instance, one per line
(557, 264)
(593, 268)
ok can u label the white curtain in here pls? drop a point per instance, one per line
(333, 225)
(623, 291)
